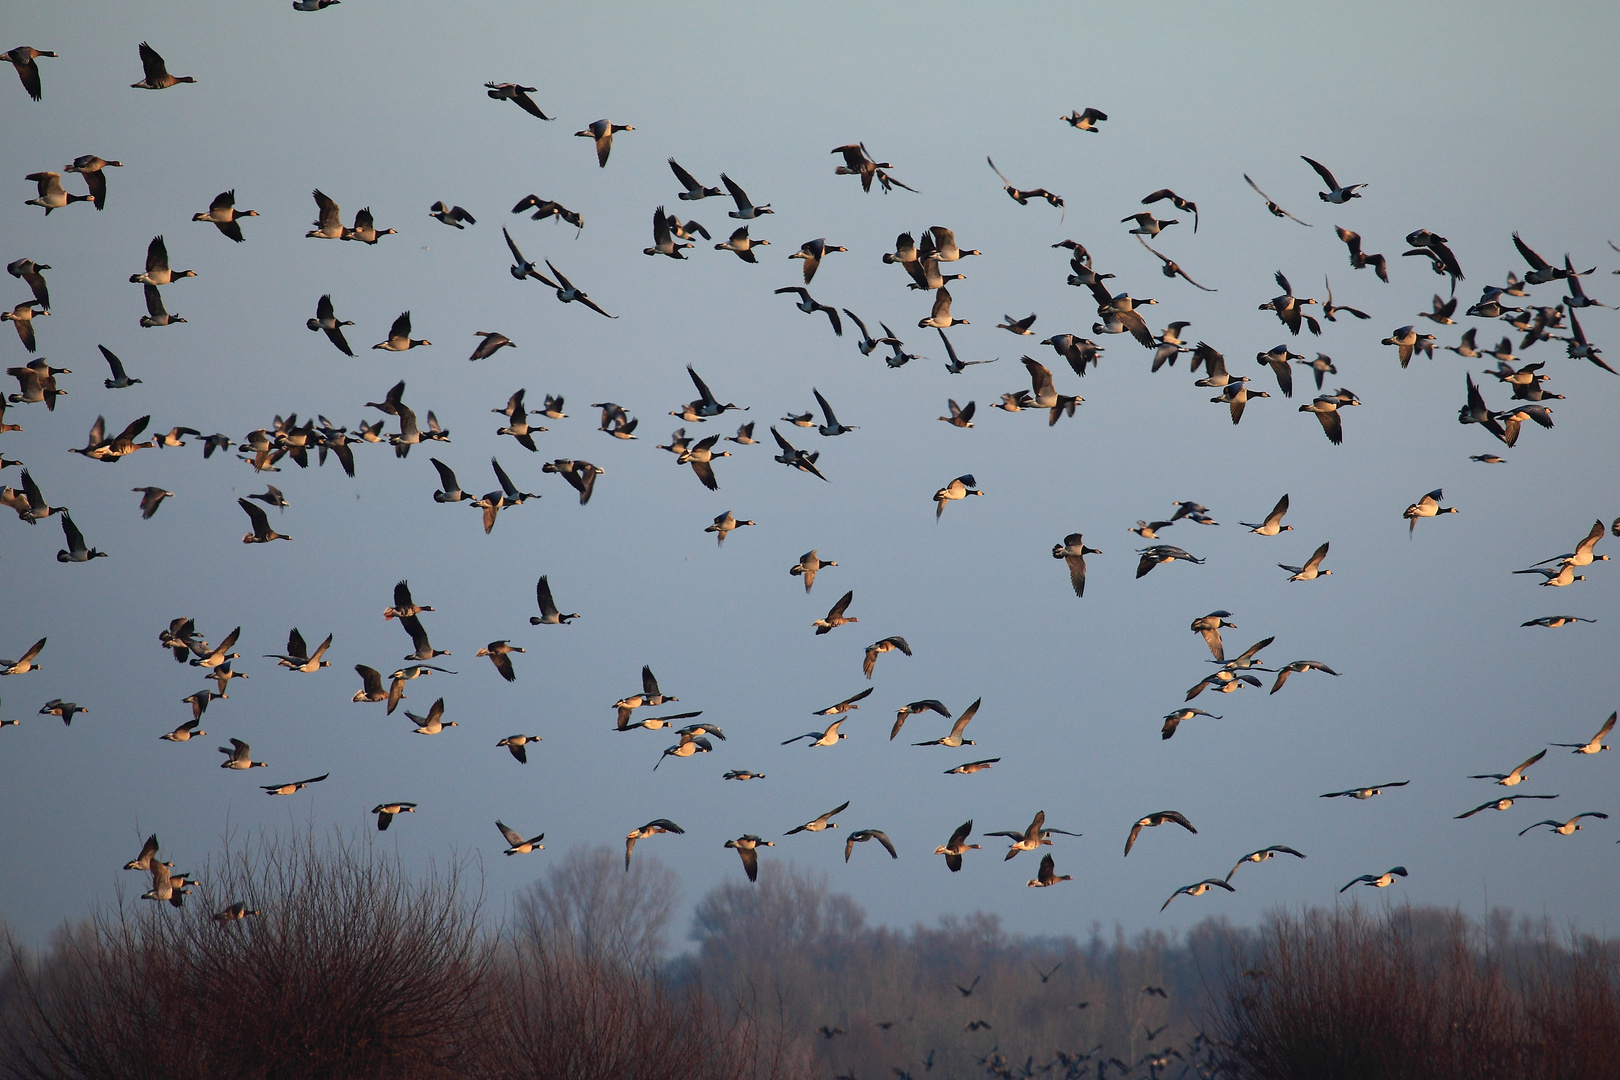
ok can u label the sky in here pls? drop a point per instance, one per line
(1462, 123)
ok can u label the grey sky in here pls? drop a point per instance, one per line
(1471, 126)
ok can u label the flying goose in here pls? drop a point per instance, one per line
(522, 268)
(746, 210)
(223, 215)
(689, 745)
(326, 320)
(1379, 881)
(1513, 778)
(1565, 828)
(1582, 555)
(1555, 621)
(298, 657)
(567, 293)
(399, 336)
(601, 132)
(1312, 568)
(499, 653)
(926, 705)
(743, 774)
(1580, 349)
(1155, 819)
(1186, 206)
(812, 252)
(1162, 553)
(1433, 247)
(955, 739)
(1036, 835)
(1148, 225)
(65, 709)
(650, 695)
(492, 343)
(821, 823)
(877, 648)
(143, 861)
(1277, 358)
(743, 247)
(517, 845)
(1084, 121)
(423, 648)
(900, 358)
(1290, 309)
(706, 405)
(694, 190)
(215, 656)
(747, 845)
(22, 58)
(240, 756)
(1426, 507)
(371, 688)
(832, 426)
(1044, 395)
(262, 532)
(1173, 720)
(701, 457)
(945, 247)
(961, 416)
(828, 737)
(296, 785)
(1047, 875)
(663, 240)
(76, 550)
(793, 457)
(1595, 743)
(957, 489)
(1171, 268)
(29, 272)
(580, 474)
(1210, 627)
(329, 225)
(432, 723)
(518, 425)
(157, 270)
(1335, 193)
(1276, 211)
(1074, 551)
(365, 228)
(1500, 804)
(954, 848)
(809, 305)
(1272, 525)
(157, 72)
(1577, 297)
(52, 196)
(1298, 666)
(517, 94)
(971, 767)
(652, 828)
(860, 836)
(867, 344)
(1198, 889)
(1022, 197)
(1541, 271)
(238, 911)
(1441, 311)
(549, 615)
(548, 208)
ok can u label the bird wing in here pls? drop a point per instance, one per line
(256, 515)
(738, 195)
(1322, 171)
(1536, 261)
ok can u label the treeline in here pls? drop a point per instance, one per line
(353, 968)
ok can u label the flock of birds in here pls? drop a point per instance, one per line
(924, 258)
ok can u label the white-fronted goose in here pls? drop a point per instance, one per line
(22, 58)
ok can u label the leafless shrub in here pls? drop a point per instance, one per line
(1415, 993)
(351, 969)
(587, 904)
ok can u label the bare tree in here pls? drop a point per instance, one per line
(588, 906)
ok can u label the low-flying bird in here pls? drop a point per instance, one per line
(1364, 793)
(821, 823)
(1047, 875)
(1154, 819)
(862, 835)
(1379, 881)
(955, 737)
(1034, 836)
(1595, 743)
(517, 845)
(1074, 551)
(1261, 856)
(1276, 211)
(1198, 889)
(907, 711)
(1565, 828)
(1173, 720)
(1022, 197)
(517, 94)
(747, 846)
(1513, 778)
(1336, 193)
(835, 616)
(878, 648)
(954, 848)
(1186, 206)
(296, 785)
(1500, 804)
